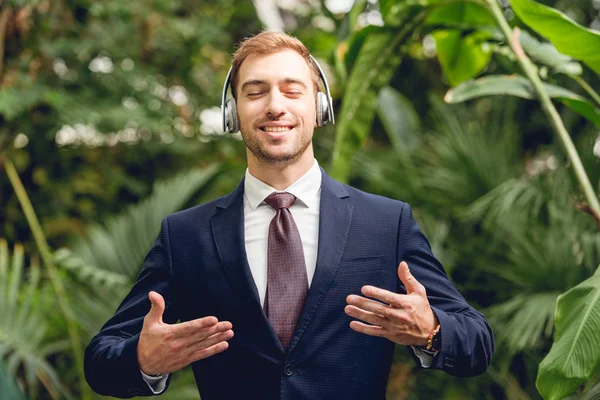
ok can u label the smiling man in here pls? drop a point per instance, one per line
(318, 280)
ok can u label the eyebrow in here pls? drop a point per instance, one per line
(263, 82)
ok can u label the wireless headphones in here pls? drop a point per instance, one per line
(324, 105)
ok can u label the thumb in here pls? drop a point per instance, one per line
(158, 307)
(409, 281)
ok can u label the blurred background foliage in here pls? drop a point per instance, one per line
(109, 112)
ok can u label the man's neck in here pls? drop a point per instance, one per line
(280, 177)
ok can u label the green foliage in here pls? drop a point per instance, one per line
(547, 54)
(110, 97)
(569, 37)
(462, 56)
(521, 87)
(575, 354)
(462, 52)
(24, 346)
(108, 260)
(460, 15)
(488, 188)
(121, 243)
(376, 62)
(10, 390)
(400, 119)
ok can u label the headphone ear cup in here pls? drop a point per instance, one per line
(231, 116)
(322, 109)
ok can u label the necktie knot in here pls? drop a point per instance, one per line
(280, 200)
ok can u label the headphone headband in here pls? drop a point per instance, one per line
(232, 113)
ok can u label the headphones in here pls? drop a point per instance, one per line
(324, 105)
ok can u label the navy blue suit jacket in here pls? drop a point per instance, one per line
(199, 265)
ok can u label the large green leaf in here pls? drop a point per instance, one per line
(462, 56)
(400, 119)
(378, 58)
(568, 36)
(460, 15)
(575, 354)
(547, 54)
(393, 11)
(519, 86)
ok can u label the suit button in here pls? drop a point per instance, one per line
(288, 370)
(449, 362)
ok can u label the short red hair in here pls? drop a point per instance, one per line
(267, 43)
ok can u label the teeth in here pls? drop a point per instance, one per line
(276, 128)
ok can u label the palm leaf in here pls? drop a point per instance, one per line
(121, 244)
(524, 320)
(469, 156)
(109, 259)
(23, 341)
(10, 389)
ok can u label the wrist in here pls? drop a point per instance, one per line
(434, 340)
(146, 369)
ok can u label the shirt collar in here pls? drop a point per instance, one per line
(305, 188)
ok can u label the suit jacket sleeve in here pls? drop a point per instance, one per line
(467, 338)
(111, 364)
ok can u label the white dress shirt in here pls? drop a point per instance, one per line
(257, 218)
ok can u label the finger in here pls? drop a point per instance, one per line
(368, 329)
(410, 282)
(383, 295)
(370, 305)
(189, 328)
(202, 334)
(158, 307)
(373, 319)
(210, 341)
(210, 351)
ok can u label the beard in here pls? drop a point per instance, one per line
(260, 147)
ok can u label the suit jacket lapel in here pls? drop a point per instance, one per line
(228, 232)
(335, 216)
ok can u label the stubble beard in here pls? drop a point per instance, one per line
(255, 146)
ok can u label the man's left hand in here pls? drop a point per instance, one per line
(402, 318)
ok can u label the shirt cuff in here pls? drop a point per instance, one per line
(156, 383)
(424, 356)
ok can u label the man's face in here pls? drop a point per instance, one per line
(276, 107)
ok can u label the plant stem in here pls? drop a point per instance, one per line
(547, 105)
(587, 88)
(46, 254)
(4, 16)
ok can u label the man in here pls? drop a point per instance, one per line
(318, 280)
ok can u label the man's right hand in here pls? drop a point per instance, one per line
(165, 348)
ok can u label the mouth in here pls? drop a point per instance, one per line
(276, 129)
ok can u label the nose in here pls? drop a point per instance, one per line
(275, 105)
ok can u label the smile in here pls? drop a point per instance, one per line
(276, 129)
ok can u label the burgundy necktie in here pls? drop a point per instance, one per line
(287, 283)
